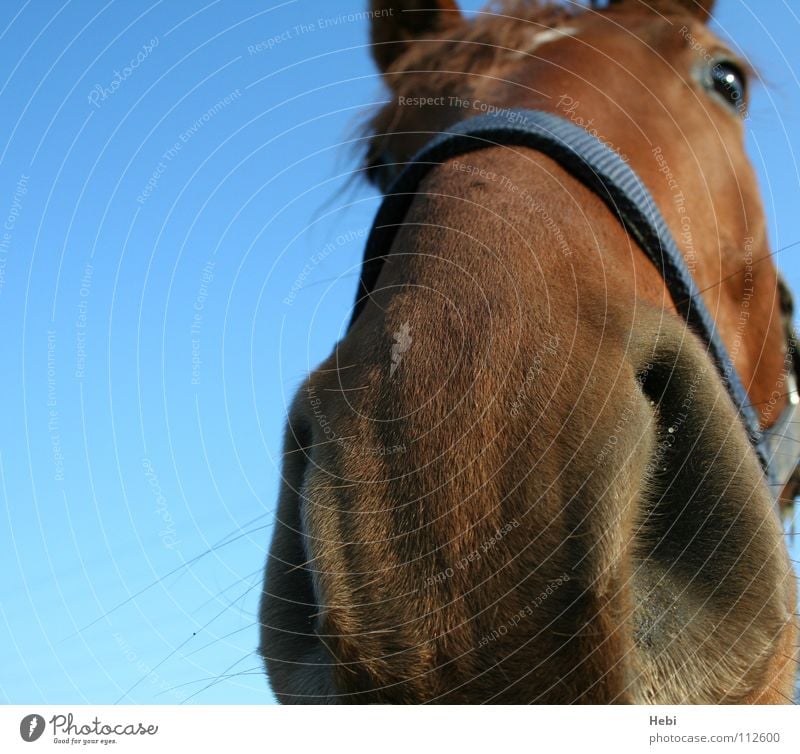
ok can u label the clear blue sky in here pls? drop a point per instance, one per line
(152, 340)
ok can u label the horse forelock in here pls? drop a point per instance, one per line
(451, 61)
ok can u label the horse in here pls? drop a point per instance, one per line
(520, 477)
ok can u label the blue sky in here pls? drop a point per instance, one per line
(184, 246)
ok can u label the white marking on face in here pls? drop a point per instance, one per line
(547, 36)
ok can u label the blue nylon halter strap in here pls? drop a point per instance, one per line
(602, 170)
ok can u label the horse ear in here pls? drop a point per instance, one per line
(700, 8)
(397, 23)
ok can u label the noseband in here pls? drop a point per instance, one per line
(603, 171)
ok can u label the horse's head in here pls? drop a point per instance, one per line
(519, 475)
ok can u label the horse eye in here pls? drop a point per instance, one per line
(728, 81)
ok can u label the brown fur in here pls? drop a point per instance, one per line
(459, 526)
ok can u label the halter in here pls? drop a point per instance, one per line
(602, 170)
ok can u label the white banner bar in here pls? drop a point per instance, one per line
(399, 730)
